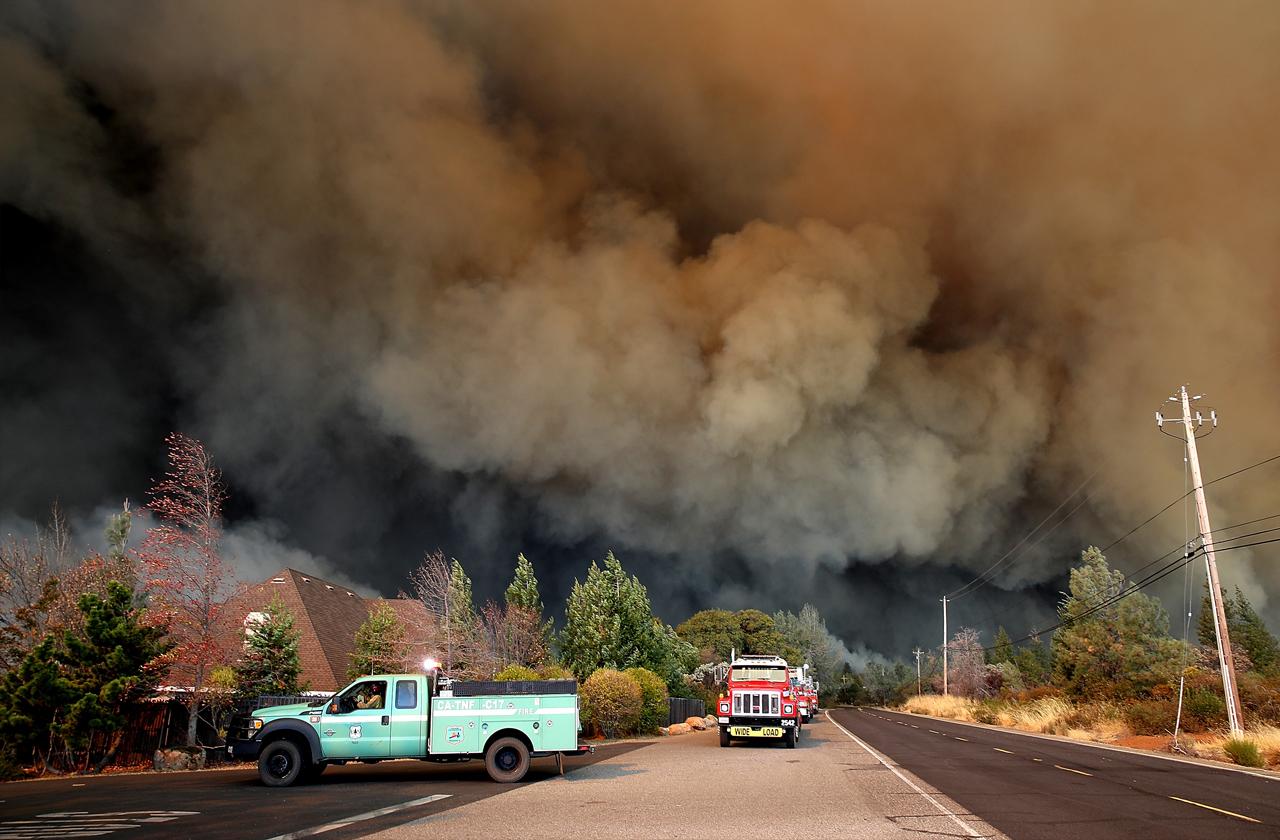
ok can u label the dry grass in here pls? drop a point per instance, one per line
(1266, 737)
(1046, 715)
(936, 705)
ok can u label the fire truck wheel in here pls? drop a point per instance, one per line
(280, 763)
(790, 739)
(507, 760)
(724, 737)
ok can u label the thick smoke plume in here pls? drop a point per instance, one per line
(830, 302)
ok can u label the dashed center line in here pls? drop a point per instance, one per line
(1006, 752)
(1069, 770)
(1219, 810)
(935, 732)
(1037, 759)
(958, 738)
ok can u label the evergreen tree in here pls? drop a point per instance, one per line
(1115, 651)
(715, 634)
(609, 623)
(807, 633)
(760, 636)
(1249, 631)
(1034, 664)
(380, 642)
(523, 591)
(1002, 651)
(270, 663)
(31, 696)
(523, 594)
(108, 663)
(1205, 632)
(462, 609)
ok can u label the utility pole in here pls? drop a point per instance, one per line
(918, 652)
(945, 690)
(1225, 661)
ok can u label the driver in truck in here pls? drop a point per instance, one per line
(371, 700)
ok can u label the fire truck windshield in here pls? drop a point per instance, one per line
(758, 673)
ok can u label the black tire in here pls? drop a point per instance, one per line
(280, 764)
(507, 760)
(724, 736)
(789, 738)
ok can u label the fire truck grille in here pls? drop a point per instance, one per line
(762, 703)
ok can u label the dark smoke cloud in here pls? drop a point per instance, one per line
(826, 304)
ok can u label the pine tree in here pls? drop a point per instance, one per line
(31, 696)
(807, 633)
(1117, 650)
(1205, 632)
(270, 664)
(523, 591)
(380, 643)
(522, 594)
(107, 664)
(462, 609)
(1002, 651)
(1249, 632)
(609, 623)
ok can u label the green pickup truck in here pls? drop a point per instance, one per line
(420, 716)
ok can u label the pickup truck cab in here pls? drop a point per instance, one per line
(422, 716)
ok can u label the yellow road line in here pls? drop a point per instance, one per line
(1219, 810)
(935, 732)
(958, 738)
(1037, 759)
(1006, 752)
(1069, 770)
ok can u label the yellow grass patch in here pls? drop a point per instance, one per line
(1266, 737)
(936, 705)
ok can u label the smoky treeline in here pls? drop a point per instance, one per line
(827, 304)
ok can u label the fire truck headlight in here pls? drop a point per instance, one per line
(724, 708)
(788, 709)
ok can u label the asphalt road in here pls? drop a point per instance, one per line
(827, 788)
(232, 804)
(1031, 788)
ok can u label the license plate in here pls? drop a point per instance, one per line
(756, 731)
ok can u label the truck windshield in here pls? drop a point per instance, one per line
(757, 673)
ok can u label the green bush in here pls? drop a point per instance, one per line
(1203, 709)
(987, 711)
(1151, 717)
(1243, 752)
(516, 672)
(653, 697)
(555, 672)
(612, 701)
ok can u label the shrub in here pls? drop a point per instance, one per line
(1243, 752)
(1203, 709)
(555, 672)
(612, 701)
(516, 672)
(1151, 717)
(653, 694)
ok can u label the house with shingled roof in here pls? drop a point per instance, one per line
(326, 616)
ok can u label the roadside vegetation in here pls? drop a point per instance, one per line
(1114, 675)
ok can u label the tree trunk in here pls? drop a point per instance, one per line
(193, 710)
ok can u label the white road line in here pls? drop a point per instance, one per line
(1006, 752)
(947, 811)
(367, 815)
(1069, 770)
(1219, 810)
(958, 738)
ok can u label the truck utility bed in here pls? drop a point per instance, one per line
(491, 688)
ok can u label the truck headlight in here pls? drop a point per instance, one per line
(788, 709)
(257, 723)
(724, 708)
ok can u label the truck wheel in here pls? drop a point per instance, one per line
(724, 736)
(507, 760)
(790, 738)
(280, 763)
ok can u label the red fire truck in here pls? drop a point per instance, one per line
(760, 702)
(806, 690)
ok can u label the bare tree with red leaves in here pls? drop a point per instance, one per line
(186, 576)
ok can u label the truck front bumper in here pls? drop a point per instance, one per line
(241, 749)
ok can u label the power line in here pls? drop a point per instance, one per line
(1131, 588)
(1156, 515)
(983, 579)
